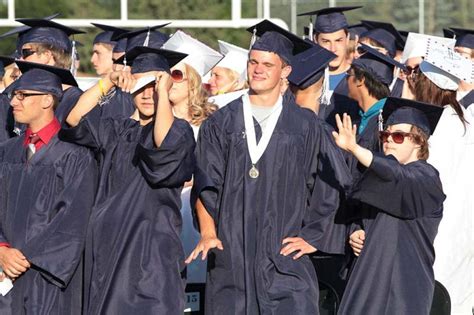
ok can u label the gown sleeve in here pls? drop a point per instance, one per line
(172, 163)
(92, 131)
(57, 250)
(210, 167)
(405, 191)
(324, 224)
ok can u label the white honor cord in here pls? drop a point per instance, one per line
(256, 151)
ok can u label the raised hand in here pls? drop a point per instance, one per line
(163, 82)
(346, 138)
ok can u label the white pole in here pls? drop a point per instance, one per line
(294, 27)
(259, 9)
(236, 10)
(11, 10)
(421, 16)
(124, 10)
(332, 3)
(266, 9)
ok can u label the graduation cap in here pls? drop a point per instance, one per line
(48, 32)
(377, 64)
(144, 59)
(448, 33)
(329, 20)
(382, 37)
(120, 46)
(464, 37)
(404, 111)
(43, 78)
(309, 66)
(445, 67)
(20, 31)
(6, 61)
(108, 33)
(275, 39)
(417, 45)
(200, 56)
(235, 58)
(357, 30)
(148, 36)
(399, 40)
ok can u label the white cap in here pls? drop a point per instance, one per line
(417, 44)
(235, 58)
(200, 56)
(444, 67)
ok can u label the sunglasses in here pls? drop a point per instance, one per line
(177, 76)
(397, 136)
(412, 70)
(26, 52)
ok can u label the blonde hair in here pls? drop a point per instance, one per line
(62, 59)
(235, 77)
(198, 106)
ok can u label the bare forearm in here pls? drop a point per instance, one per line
(164, 118)
(206, 222)
(88, 100)
(363, 155)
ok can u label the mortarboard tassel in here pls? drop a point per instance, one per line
(310, 32)
(73, 68)
(325, 99)
(147, 39)
(380, 120)
(254, 38)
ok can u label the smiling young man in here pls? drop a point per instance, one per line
(47, 191)
(268, 198)
(403, 206)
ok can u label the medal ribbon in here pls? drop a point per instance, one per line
(256, 151)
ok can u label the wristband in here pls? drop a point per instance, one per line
(101, 87)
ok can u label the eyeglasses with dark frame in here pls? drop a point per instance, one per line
(397, 136)
(21, 96)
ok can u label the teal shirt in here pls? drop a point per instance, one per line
(365, 117)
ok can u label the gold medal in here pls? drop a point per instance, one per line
(253, 173)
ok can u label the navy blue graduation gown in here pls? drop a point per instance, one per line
(117, 104)
(7, 122)
(369, 139)
(134, 256)
(467, 100)
(296, 194)
(397, 89)
(44, 212)
(394, 272)
(67, 103)
(6, 118)
(340, 103)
